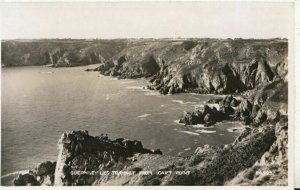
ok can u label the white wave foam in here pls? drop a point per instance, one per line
(178, 101)
(190, 133)
(201, 126)
(182, 102)
(143, 116)
(187, 149)
(107, 97)
(143, 88)
(205, 131)
(179, 153)
(177, 122)
(198, 106)
(15, 173)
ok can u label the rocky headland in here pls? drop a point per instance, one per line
(201, 66)
(253, 74)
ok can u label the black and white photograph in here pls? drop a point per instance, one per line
(147, 93)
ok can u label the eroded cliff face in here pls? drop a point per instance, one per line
(203, 66)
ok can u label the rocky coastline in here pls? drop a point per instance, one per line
(258, 156)
(253, 74)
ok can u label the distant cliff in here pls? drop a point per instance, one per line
(58, 53)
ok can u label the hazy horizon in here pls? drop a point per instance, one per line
(148, 20)
(161, 38)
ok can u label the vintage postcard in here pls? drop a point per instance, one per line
(146, 93)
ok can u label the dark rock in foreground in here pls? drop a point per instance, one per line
(79, 151)
(42, 175)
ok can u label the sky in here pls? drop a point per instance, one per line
(146, 20)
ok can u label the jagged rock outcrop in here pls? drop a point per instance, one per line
(206, 115)
(230, 108)
(80, 152)
(267, 104)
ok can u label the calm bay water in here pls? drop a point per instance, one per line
(40, 103)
